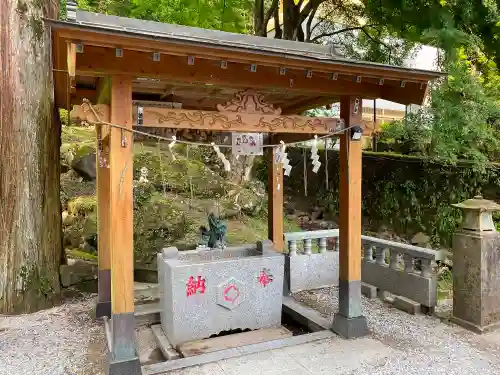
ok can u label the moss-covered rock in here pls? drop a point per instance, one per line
(170, 204)
(76, 142)
(73, 186)
(187, 176)
(158, 221)
(82, 206)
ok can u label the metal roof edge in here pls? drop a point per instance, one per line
(283, 53)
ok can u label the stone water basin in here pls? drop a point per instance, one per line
(205, 292)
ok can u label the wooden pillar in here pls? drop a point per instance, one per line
(123, 356)
(275, 199)
(349, 321)
(374, 134)
(103, 189)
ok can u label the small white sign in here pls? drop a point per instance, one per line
(247, 143)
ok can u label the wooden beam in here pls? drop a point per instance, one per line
(71, 59)
(275, 199)
(60, 74)
(412, 93)
(80, 94)
(217, 121)
(207, 51)
(304, 104)
(104, 90)
(71, 67)
(103, 61)
(103, 188)
(123, 351)
(349, 321)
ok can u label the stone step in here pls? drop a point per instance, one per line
(235, 340)
(145, 293)
(147, 314)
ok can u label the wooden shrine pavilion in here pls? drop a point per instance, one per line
(225, 83)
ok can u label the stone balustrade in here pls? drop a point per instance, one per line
(312, 260)
(302, 242)
(406, 271)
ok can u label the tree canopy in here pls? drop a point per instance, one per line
(228, 15)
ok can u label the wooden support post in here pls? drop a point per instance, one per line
(103, 189)
(123, 356)
(349, 321)
(304, 157)
(275, 199)
(374, 134)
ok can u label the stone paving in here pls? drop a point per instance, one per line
(66, 341)
(399, 344)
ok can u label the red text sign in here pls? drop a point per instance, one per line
(265, 277)
(192, 286)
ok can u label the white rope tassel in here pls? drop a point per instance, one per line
(171, 146)
(225, 162)
(314, 155)
(284, 159)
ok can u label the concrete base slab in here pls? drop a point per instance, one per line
(350, 328)
(475, 328)
(193, 348)
(127, 367)
(103, 309)
(406, 305)
(166, 348)
(161, 368)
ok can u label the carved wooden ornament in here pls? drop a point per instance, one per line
(251, 102)
(247, 112)
(83, 113)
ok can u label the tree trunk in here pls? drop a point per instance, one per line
(259, 27)
(30, 215)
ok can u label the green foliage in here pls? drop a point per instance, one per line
(158, 221)
(447, 25)
(461, 122)
(405, 193)
(228, 15)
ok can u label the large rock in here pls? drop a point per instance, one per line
(421, 239)
(77, 272)
(85, 166)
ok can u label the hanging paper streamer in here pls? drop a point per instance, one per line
(284, 159)
(314, 155)
(171, 145)
(225, 162)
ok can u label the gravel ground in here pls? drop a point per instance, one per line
(419, 344)
(64, 340)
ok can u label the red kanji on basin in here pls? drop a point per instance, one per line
(192, 287)
(265, 277)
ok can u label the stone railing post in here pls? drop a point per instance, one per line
(476, 267)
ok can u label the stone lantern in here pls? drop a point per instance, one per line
(476, 267)
(477, 214)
